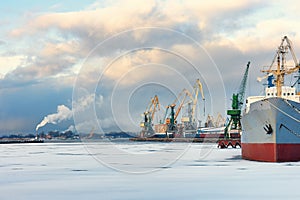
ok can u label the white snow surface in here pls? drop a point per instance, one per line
(89, 171)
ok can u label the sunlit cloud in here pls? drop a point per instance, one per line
(9, 63)
(53, 48)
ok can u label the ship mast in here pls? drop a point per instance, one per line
(281, 69)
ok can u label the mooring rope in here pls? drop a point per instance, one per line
(296, 134)
(282, 125)
(297, 120)
(296, 109)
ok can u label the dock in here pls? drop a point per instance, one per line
(188, 140)
(20, 141)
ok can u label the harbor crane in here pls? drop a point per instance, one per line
(171, 121)
(235, 115)
(236, 106)
(181, 99)
(148, 115)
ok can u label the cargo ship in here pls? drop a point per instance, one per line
(271, 123)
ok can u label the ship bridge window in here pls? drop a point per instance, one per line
(292, 93)
(288, 94)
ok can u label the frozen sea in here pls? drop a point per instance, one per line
(133, 170)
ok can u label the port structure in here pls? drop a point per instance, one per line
(148, 115)
(171, 121)
(218, 122)
(280, 71)
(185, 97)
(168, 124)
(189, 121)
(236, 107)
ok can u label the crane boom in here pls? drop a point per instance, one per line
(242, 88)
(149, 113)
(179, 107)
(182, 97)
(290, 46)
(184, 92)
(155, 104)
(197, 87)
(281, 70)
(237, 102)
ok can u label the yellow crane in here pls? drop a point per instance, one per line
(281, 70)
(194, 99)
(149, 113)
(183, 94)
(192, 112)
(154, 104)
(171, 122)
(181, 99)
(197, 88)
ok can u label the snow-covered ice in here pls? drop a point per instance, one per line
(140, 171)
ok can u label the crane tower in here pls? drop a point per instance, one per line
(236, 106)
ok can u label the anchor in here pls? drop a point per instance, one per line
(268, 128)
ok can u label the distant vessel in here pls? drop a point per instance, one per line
(21, 141)
(271, 123)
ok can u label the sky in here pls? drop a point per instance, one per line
(94, 65)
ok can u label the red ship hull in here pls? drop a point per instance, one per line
(270, 152)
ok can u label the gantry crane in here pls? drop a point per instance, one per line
(236, 106)
(148, 115)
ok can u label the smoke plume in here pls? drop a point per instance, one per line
(63, 113)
